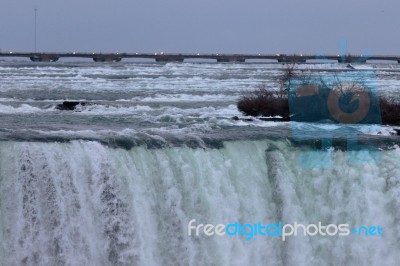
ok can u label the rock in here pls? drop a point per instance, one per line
(242, 119)
(69, 106)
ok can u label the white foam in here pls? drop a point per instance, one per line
(23, 108)
(183, 98)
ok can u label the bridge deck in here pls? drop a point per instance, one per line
(167, 57)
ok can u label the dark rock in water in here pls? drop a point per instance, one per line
(69, 106)
(243, 119)
(397, 131)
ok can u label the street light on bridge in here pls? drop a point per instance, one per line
(35, 29)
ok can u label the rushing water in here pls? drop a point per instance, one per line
(117, 181)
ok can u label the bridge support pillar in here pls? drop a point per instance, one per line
(231, 60)
(344, 61)
(286, 60)
(107, 59)
(352, 59)
(43, 58)
(166, 59)
(292, 60)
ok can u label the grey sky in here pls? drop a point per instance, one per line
(219, 26)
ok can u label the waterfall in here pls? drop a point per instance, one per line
(83, 203)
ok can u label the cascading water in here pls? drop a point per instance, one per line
(82, 203)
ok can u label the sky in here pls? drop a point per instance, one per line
(202, 26)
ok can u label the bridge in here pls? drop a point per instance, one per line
(223, 58)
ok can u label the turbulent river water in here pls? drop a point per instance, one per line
(116, 181)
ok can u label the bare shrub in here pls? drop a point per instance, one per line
(264, 102)
(390, 111)
(267, 102)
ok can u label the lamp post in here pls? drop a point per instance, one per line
(35, 26)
